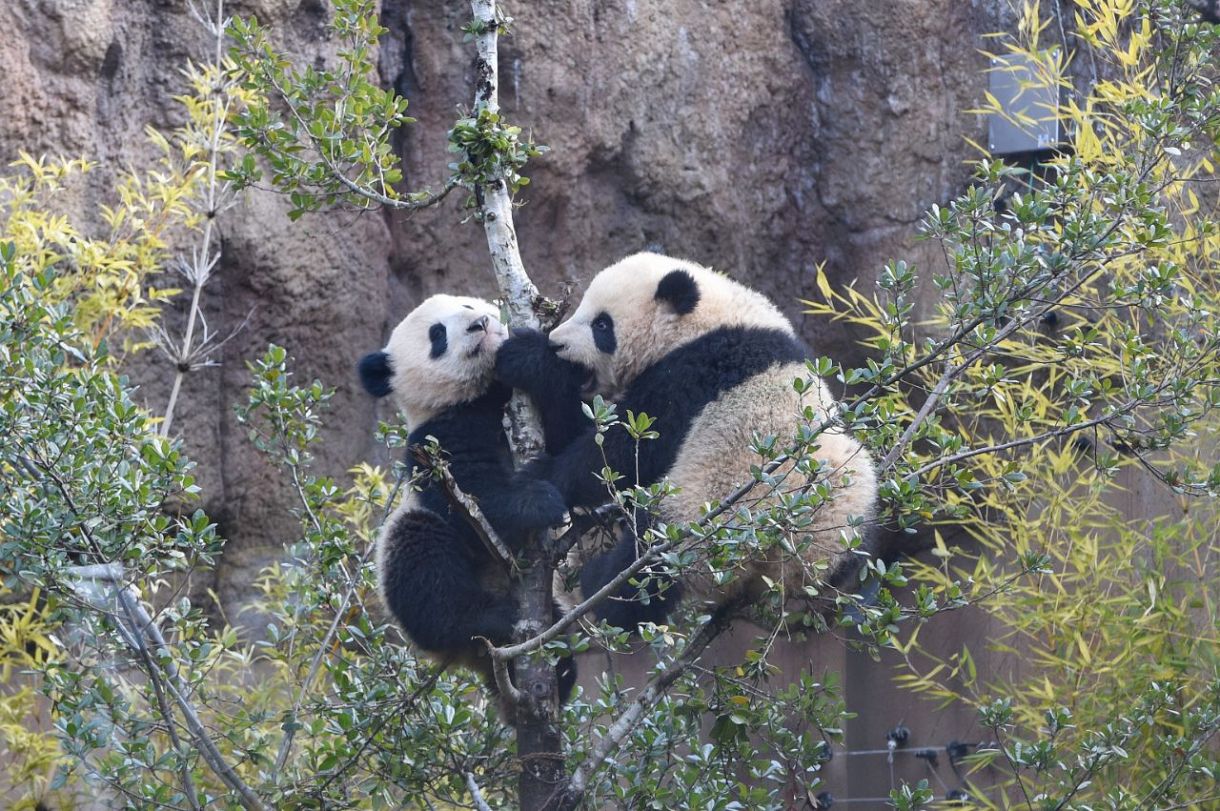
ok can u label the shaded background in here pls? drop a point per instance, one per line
(760, 138)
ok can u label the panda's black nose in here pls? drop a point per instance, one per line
(478, 326)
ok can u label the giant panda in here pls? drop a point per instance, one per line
(435, 575)
(713, 362)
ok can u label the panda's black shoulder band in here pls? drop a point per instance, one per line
(375, 373)
(679, 290)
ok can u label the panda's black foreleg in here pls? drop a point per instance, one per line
(520, 506)
(432, 588)
(630, 605)
(526, 361)
(565, 672)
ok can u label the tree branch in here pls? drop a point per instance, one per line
(281, 758)
(539, 742)
(466, 505)
(475, 794)
(631, 717)
(140, 630)
(496, 213)
(427, 200)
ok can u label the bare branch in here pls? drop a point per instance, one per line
(650, 556)
(499, 669)
(281, 758)
(139, 630)
(171, 722)
(466, 505)
(475, 793)
(202, 260)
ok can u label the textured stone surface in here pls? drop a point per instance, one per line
(761, 138)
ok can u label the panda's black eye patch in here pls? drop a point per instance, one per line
(439, 339)
(603, 334)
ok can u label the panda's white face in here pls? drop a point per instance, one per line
(442, 354)
(640, 309)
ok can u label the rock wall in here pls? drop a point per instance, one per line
(761, 138)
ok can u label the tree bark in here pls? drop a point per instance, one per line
(537, 722)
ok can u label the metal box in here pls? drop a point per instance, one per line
(1030, 104)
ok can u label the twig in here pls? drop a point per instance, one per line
(466, 505)
(650, 555)
(171, 724)
(430, 198)
(202, 263)
(475, 793)
(135, 633)
(405, 704)
(504, 680)
(139, 632)
(629, 718)
(281, 758)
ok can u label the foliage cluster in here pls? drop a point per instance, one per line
(110, 279)
(1067, 370)
(1071, 351)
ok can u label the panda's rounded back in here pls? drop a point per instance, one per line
(637, 318)
(717, 456)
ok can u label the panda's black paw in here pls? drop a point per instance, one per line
(530, 505)
(542, 505)
(524, 359)
(528, 361)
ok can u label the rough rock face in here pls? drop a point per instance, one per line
(760, 138)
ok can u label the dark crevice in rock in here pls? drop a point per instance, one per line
(801, 38)
(511, 63)
(396, 61)
(309, 23)
(112, 60)
(396, 71)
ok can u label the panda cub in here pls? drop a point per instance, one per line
(435, 575)
(713, 362)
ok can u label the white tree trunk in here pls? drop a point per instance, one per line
(539, 744)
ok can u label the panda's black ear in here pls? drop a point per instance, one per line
(679, 290)
(375, 373)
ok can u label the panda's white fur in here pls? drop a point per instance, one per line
(663, 312)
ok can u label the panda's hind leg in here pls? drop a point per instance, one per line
(630, 605)
(433, 588)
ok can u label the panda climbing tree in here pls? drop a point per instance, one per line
(712, 363)
(449, 591)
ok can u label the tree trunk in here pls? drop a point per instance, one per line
(537, 722)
